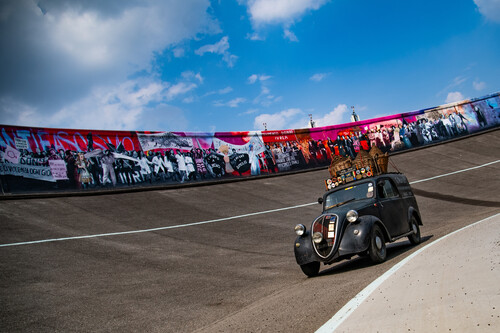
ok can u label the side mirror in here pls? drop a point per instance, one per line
(320, 200)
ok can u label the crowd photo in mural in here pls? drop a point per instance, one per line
(47, 159)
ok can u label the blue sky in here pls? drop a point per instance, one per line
(232, 65)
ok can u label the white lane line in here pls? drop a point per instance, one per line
(212, 221)
(455, 172)
(331, 325)
(160, 228)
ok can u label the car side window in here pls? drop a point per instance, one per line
(386, 189)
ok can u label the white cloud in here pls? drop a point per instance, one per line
(265, 98)
(334, 117)
(188, 75)
(287, 34)
(278, 99)
(230, 59)
(224, 91)
(250, 111)
(258, 77)
(96, 41)
(454, 97)
(122, 107)
(253, 78)
(280, 11)
(284, 12)
(132, 105)
(221, 47)
(255, 36)
(457, 81)
(318, 77)
(178, 52)
(179, 89)
(295, 118)
(478, 85)
(281, 120)
(234, 103)
(163, 117)
(58, 53)
(18, 113)
(489, 9)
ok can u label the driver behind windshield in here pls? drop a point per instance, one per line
(358, 192)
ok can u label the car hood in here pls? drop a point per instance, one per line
(357, 205)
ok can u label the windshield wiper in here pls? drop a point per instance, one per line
(341, 203)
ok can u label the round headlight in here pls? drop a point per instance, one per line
(300, 229)
(352, 216)
(317, 237)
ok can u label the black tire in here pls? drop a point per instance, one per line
(415, 237)
(377, 250)
(311, 269)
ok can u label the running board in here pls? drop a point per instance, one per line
(402, 236)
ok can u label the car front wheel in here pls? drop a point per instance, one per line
(311, 269)
(414, 238)
(377, 250)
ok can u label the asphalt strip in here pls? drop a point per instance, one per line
(332, 324)
(221, 219)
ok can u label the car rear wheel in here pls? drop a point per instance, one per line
(415, 237)
(311, 269)
(377, 249)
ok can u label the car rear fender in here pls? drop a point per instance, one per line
(412, 211)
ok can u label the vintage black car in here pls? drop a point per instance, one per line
(358, 219)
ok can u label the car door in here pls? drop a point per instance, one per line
(391, 207)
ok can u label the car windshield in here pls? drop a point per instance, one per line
(342, 196)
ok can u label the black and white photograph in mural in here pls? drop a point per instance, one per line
(164, 140)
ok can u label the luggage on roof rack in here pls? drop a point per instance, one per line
(366, 164)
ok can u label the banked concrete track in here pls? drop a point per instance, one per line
(231, 275)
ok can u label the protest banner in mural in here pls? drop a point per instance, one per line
(11, 155)
(58, 169)
(49, 159)
(42, 173)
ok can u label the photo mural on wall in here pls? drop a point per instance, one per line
(48, 159)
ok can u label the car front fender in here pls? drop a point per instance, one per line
(356, 237)
(303, 248)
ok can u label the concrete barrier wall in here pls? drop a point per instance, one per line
(34, 160)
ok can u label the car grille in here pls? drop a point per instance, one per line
(327, 226)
